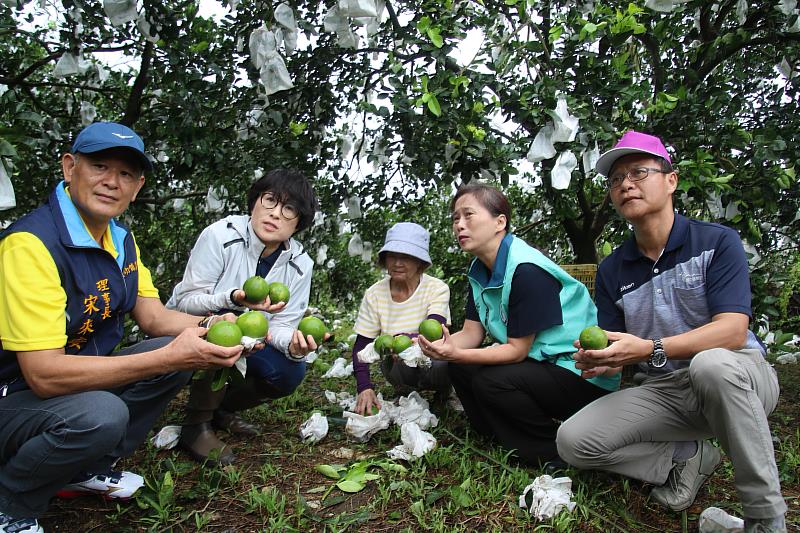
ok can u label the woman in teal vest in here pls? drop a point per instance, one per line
(513, 390)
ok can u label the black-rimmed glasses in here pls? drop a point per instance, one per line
(288, 211)
(635, 174)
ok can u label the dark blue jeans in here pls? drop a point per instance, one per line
(279, 374)
(45, 443)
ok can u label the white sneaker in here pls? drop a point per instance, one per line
(19, 525)
(114, 485)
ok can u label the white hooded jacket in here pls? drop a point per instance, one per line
(224, 256)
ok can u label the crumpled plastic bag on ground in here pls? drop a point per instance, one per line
(787, 359)
(368, 354)
(548, 496)
(361, 428)
(314, 429)
(715, 520)
(412, 408)
(413, 357)
(416, 443)
(339, 369)
(167, 438)
(344, 399)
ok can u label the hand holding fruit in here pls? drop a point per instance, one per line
(624, 349)
(310, 333)
(259, 295)
(442, 349)
(189, 351)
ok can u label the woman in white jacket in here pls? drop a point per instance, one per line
(228, 252)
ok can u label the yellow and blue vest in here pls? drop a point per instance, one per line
(100, 288)
(554, 344)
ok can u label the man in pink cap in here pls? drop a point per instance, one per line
(675, 301)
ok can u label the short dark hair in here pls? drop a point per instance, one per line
(489, 197)
(288, 186)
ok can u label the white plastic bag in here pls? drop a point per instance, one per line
(416, 443)
(7, 198)
(262, 44)
(542, 147)
(67, 65)
(548, 496)
(343, 399)
(361, 428)
(355, 246)
(314, 429)
(215, 199)
(368, 354)
(353, 207)
(413, 357)
(366, 255)
(358, 8)
(88, 113)
(590, 157)
(322, 254)
(120, 12)
(339, 369)
(285, 16)
(562, 171)
(715, 520)
(412, 408)
(566, 127)
(167, 438)
(275, 75)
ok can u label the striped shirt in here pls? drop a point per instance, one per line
(379, 314)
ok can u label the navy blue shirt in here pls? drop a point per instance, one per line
(533, 304)
(701, 272)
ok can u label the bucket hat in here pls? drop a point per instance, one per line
(408, 238)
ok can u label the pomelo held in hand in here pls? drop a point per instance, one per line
(593, 338)
(313, 326)
(278, 292)
(431, 329)
(224, 333)
(255, 289)
(253, 324)
(383, 344)
(401, 343)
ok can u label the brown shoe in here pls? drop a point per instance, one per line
(235, 424)
(203, 444)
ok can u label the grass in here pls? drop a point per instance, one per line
(463, 485)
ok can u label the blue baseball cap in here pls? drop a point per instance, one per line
(104, 135)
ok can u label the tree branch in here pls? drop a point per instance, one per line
(133, 108)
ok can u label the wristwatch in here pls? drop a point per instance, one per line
(659, 357)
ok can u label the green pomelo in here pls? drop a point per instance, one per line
(593, 338)
(313, 326)
(255, 289)
(224, 333)
(431, 329)
(253, 324)
(401, 343)
(278, 292)
(383, 344)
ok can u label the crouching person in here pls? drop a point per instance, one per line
(70, 406)
(676, 301)
(226, 254)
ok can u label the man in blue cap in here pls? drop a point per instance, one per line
(675, 299)
(69, 274)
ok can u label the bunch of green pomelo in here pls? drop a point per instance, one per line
(257, 289)
(251, 324)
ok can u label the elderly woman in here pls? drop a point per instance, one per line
(515, 390)
(228, 252)
(397, 304)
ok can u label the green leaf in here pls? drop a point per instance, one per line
(347, 485)
(328, 471)
(423, 24)
(7, 149)
(220, 379)
(435, 35)
(433, 105)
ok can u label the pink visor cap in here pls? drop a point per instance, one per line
(632, 142)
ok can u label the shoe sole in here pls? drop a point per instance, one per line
(72, 494)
